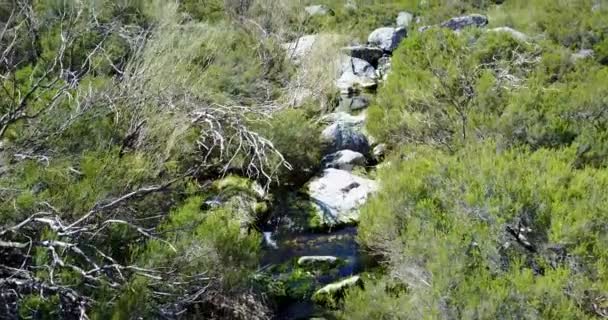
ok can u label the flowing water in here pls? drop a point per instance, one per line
(288, 248)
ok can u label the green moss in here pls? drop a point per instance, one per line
(292, 284)
(38, 307)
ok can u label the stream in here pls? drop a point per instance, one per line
(335, 192)
(341, 244)
(311, 256)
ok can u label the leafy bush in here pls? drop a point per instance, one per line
(443, 87)
(445, 224)
(297, 137)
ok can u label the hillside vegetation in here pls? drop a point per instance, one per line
(144, 142)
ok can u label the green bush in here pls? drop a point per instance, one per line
(443, 223)
(444, 87)
(298, 138)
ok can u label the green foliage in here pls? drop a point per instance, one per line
(211, 242)
(506, 133)
(372, 14)
(36, 307)
(390, 302)
(211, 10)
(573, 24)
(217, 240)
(442, 87)
(297, 137)
(73, 187)
(442, 220)
(445, 88)
(291, 285)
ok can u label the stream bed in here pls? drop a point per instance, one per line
(285, 249)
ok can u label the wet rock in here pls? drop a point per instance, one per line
(344, 160)
(355, 74)
(369, 54)
(340, 136)
(404, 19)
(459, 23)
(345, 118)
(317, 261)
(318, 10)
(338, 195)
(514, 33)
(350, 103)
(387, 38)
(332, 293)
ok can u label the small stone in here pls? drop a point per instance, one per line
(311, 261)
(355, 74)
(459, 23)
(384, 67)
(340, 136)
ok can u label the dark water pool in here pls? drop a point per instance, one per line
(285, 248)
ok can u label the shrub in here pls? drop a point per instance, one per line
(297, 137)
(444, 88)
(445, 224)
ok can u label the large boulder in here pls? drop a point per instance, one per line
(344, 160)
(459, 23)
(338, 195)
(340, 136)
(367, 53)
(404, 19)
(387, 38)
(318, 10)
(332, 293)
(301, 47)
(355, 74)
